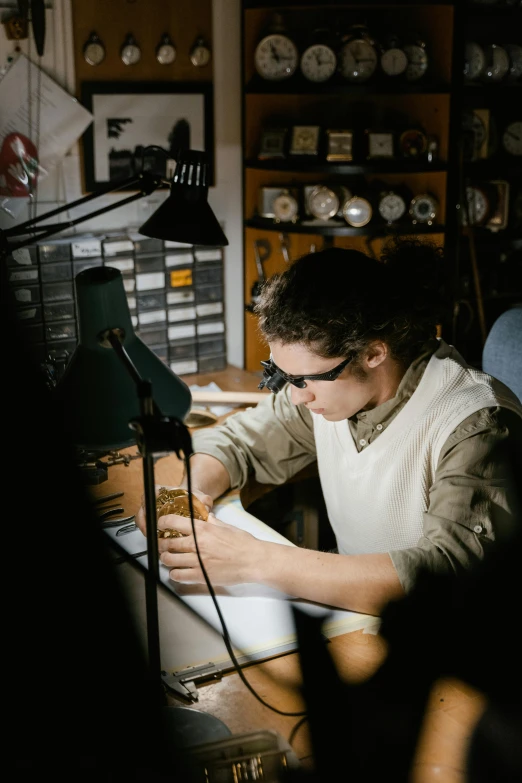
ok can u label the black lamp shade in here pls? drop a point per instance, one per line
(97, 395)
(186, 216)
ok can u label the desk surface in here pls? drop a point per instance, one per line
(453, 708)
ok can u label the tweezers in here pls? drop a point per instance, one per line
(119, 521)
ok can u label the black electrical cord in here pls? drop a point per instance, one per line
(226, 637)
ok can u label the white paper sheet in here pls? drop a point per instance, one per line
(33, 104)
(259, 619)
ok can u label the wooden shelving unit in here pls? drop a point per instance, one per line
(434, 103)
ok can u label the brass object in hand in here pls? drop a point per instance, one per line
(176, 501)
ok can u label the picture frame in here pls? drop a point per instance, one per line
(129, 116)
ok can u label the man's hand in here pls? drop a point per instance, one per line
(140, 515)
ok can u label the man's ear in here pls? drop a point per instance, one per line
(376, 353)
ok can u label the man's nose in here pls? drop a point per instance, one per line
(298, 396)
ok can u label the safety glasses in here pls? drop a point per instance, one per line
(274, 378)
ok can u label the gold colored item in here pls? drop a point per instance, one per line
(176, 501)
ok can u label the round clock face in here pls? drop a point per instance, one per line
(276, 57)
(515, 61)
(477, 204)
(94, 50)
(394, 62)
(423, 209)
(200, 55)
(323, 203)
(358, 60)
(357, 211)
(285, 207)
(474, 61)
(392, 207)
(497, 63)
(512, 138)
(130, 54)
(318, 63)
(418, 62)
(166, 54)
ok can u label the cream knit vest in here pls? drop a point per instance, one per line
(376, 498)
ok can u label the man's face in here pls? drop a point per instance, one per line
(335, 400)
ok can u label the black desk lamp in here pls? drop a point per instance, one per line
(106, 391)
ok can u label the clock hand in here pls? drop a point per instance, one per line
(513, 135)
(274, 52)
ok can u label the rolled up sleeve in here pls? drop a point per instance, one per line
(272, 441)
(474, 499)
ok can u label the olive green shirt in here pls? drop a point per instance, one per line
(473, 499)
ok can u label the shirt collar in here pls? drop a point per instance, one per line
(381, 414)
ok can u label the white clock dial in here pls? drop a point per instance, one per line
(357, 211)
(497, 63)
(418, 62)
(512, 138)
(392, 207)
(165, 51)
(318, 63)
(285, 208)
(394, 62)
(358, 60)
(477, 205)
(323, 203)
(474, 61)
(200, 54)
(515, 61)
(276, 57)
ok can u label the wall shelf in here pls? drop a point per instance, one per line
(325, 167)
(338, 229)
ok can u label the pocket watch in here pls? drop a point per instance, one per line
(474, 61)
(423, 208)
(165, 51)
(358, 57)
(130, 52)
(394, 59)
(323, 202)
(200, 52)
(497, 63)
(512, 138)
(357, 211)
(413, 143)
(418, 60)
(93, 50)
(515, 61)
(276, 56)
(285, 207)
(392, 206)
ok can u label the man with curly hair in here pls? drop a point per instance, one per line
(415, 448)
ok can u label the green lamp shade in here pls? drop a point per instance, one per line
(97, 395)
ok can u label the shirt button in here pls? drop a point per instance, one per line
(379, 427)
(478, 528)
(362, 442)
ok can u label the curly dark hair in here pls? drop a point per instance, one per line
(337, 301)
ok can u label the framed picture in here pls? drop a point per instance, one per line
(131, 116)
